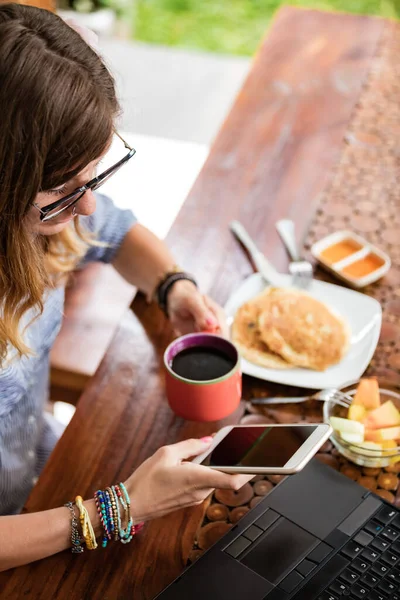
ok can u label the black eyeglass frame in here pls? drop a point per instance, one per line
(93, 184)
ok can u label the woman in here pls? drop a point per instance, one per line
(58, 106)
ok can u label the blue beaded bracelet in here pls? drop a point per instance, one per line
(101, 504)
(112, 525)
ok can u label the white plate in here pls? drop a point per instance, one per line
(362, 313)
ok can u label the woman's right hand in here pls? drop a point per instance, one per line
(167, 481)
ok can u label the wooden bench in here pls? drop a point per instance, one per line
(96, 299)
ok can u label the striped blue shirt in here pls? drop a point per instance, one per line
(27, 435)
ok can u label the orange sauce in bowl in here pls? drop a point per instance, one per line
(339, 251)
(364, 266)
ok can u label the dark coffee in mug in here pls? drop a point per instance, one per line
(202, 363)
(202, 377)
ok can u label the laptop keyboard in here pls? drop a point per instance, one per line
(367, 566)
(372, 557)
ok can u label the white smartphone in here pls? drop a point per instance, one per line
(264, 449)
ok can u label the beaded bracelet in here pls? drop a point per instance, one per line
(126, 534)
(140, 525)
(110, 512)
(106, 521)
(115, 512)
(77, 547)
(123, 533)
(104, 518)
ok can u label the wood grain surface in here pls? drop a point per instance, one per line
(272, 158)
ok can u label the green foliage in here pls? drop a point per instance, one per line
(122, 8)
(230, 26)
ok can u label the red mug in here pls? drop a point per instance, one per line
(203, 400)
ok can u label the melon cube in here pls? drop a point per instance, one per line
(352, 438)
(367, 393)
(357, 413)
(386, 415)
(372, 435)
(347, 426)
(388, 434)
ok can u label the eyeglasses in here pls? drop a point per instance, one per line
(55, 208)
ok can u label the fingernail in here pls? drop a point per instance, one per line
(211, 322)
(207, 439)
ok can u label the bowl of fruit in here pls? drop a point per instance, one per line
(368, 432)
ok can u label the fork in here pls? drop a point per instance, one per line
(301, 270)
(328, 395)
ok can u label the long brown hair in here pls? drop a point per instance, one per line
(57, 106)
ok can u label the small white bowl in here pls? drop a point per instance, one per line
(365, 248)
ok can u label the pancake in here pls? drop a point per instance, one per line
(302, 330)
(246, 335)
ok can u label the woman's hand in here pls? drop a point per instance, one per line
(165, 482)
(189, 311)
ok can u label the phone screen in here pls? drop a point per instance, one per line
(258, 446)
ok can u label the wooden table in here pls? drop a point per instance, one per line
(272, 158)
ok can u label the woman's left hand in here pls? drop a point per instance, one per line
(190, 311)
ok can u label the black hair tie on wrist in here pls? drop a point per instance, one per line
(165, 287)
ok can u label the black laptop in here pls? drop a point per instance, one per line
(316, 536)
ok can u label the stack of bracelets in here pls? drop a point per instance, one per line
(114, 508)
(165, 284)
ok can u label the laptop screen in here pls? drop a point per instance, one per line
(259, 446)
